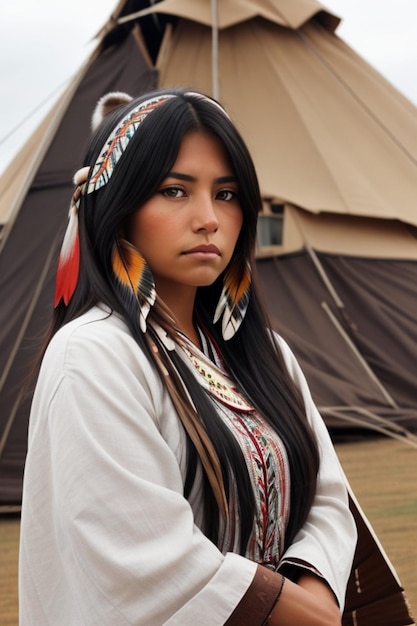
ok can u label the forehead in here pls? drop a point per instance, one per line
(202, 150)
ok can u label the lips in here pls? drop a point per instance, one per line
(204, 249)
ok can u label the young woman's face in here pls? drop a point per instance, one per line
(188, 230)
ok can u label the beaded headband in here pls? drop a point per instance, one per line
(120, 136)
(118, 140)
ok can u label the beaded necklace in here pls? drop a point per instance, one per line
(212, 378)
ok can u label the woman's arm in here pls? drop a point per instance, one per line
(310, 602)
(273, 600)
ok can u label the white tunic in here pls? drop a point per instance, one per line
(107, 537)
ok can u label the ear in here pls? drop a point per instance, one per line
(106, 104)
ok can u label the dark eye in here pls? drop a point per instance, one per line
(172, 192)
(226, 195)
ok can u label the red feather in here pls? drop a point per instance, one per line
(69, 263)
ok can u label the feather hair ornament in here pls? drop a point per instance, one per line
(234, 300)
(69, 257)
(133, 278)
(69, 261)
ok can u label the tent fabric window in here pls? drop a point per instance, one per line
(270, 230)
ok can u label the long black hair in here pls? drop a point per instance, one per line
(252, 356)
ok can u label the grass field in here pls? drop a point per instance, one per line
(383, 475)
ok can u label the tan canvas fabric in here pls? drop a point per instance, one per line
(347, 235)
(16, 180)
(326, 131)
(230, 12)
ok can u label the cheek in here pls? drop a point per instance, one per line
(143, 227)
(237, 224)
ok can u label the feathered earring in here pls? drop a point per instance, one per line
(134, 278)
(234, 299)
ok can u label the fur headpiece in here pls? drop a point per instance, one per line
(106, 104)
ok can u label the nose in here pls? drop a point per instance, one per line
(205, 217)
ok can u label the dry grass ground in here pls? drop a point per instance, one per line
(383, 474)
(9, 536)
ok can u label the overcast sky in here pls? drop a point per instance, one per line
(43, 42)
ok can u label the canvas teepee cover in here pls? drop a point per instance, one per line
(333, 143)
(317, 119)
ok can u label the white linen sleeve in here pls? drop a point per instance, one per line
(116, 531)
(328, 538)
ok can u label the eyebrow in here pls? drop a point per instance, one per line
(219, 181)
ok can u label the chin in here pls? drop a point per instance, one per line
(204, 279)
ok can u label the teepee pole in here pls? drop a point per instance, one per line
(215, 49)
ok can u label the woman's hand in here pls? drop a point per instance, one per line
(310, 602)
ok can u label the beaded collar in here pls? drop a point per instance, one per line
(211, 376)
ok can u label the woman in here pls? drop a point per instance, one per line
(178, 471)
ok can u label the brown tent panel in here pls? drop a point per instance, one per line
(28, 257)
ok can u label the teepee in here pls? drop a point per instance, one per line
(335, 146)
